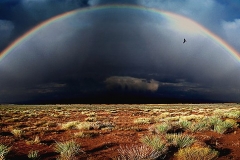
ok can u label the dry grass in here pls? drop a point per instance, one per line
(171, 127)
(196, 153)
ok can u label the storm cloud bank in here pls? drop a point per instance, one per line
(119, 52)
(131, 83)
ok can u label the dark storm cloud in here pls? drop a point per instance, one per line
(131, 83)
(6, 29)
(103, 2)
(113, 50)
(25, 14)
(216, 15)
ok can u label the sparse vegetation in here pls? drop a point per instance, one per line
(180, 140)
(143, 120)
(69, 125)
(36, 140)
(223, 126)
(135, 152)
(68, 150)
(33, 155)
(17, 133)
(155, 142)
(141, 130)
(196, 153)
(3, 151)
(162, 128)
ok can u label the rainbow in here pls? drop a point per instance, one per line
(175, 18)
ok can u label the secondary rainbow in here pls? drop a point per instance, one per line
(169, 15)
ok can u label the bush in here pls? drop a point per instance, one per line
(233, 114)
(68, 150)
(17, 133)
(223, 126)
(196, 153)
(84, 126)
(198, 126)
(69, 125)
(180, 140)
(155, 142)
(33, 155)
(143, 120)
(185, 124)
(162, 128)
(137, 152)
(3, 151)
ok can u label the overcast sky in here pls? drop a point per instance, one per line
(120, 55)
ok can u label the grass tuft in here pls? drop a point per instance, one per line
(33, 155)
(155, 142)
(136, 152)
(3, 151)
(143, 121)
(196, 153)
(180, 140)
(68, 150)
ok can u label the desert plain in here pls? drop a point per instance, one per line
(120, 131)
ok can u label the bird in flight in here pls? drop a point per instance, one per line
(184, 40)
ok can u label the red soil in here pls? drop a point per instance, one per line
(105, 144)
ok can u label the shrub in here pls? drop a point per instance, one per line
(212, 121)
(36, 140)
(232, 114)
(69, 125)
(155, 142)
(84, 125)
(198, 126)
(162, 128)
(230, 123)
(33, 155)
(137, 152)
(223, 126)
(180, 140)
(91, 119)
(17, 133)
(191, 117)
(184, 124)
(196, 153)
(68, 150)
(3, 151)
(143, 120)
(219, 112)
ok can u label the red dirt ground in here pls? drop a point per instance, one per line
(105, 144)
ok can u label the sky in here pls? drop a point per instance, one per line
(120, 55)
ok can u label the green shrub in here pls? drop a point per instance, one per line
(212, 121)
(155, 142)
(3, 151)
(68, 150)
(162, 128)
(232, 114)
(198, 126)
(196, 153)
(180, 140)
(33, 155)
(185, 124)
(223, 126)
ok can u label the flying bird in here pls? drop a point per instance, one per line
(184, 40)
